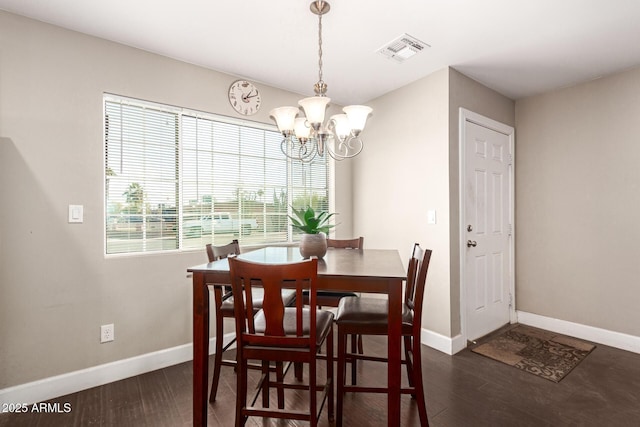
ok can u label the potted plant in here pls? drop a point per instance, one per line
(314, 226)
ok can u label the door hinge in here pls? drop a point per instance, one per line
(510, 230)
(510, 159)
(510, 300)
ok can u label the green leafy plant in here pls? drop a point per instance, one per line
(310, 222)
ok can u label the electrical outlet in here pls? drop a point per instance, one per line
(107, 333)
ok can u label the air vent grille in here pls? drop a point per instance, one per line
(403, 48)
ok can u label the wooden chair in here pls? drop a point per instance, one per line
(356, 243)
(369, 316)
(280, 334)
(223, 307)
(330, 298)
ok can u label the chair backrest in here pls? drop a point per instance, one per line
(218, 252)
(416, 282)
(356, 243)
(300, 276)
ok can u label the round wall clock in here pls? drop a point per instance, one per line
(244, 97)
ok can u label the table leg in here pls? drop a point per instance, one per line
(200, 349)
(394, 349)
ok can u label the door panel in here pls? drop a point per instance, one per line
(487, 205)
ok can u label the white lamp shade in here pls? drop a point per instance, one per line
(284, 117)
(341, 126)
(302, 131)
(357, 115)
(314, 108)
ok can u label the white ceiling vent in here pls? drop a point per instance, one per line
(403, 48)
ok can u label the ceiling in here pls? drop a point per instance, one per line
(519, 48)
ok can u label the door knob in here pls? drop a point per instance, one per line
(471, 243)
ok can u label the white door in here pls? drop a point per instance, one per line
(487, 224)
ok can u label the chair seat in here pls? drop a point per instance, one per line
(257, 294)
(324, 321)
(369, 312)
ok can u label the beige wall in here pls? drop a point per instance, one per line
(56, 286)
(410, 166)
(578, 203)
(403, 172)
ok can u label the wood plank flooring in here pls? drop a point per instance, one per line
(462, 390)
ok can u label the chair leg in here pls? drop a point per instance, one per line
(408, 354)
(313, 395)
(297, 370)
(217, 361)
(265, 383)
(241, 392)
(280, 380)
(354, 364)
(330, 397)
(416, 375)
(340, 377)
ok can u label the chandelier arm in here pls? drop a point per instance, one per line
(310, 154)
(284, 144)
(346, 149)
(297, 150)
(334, 156)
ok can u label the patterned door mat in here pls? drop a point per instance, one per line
(542, 353)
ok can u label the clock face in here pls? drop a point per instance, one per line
(244, 97)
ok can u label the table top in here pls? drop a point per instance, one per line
(378, 263)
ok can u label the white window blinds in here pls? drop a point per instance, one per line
(141, 182)
(176, 179)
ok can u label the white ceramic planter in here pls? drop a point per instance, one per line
(313, 245)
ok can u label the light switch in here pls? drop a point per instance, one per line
(76, 213)
(431, 217)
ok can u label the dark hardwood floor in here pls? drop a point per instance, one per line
(462, 390)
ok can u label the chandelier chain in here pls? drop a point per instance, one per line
(320, 81)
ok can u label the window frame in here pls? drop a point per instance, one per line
(181, 112)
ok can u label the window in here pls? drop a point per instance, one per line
(177, 179)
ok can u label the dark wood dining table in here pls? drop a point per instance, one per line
(355, 270)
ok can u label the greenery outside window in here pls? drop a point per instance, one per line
(176, 179)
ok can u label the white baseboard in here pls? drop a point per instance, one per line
(442, 343)
(589, 333)
(72, 382)
(602, 336)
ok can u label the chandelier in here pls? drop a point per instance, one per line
(305, 136)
